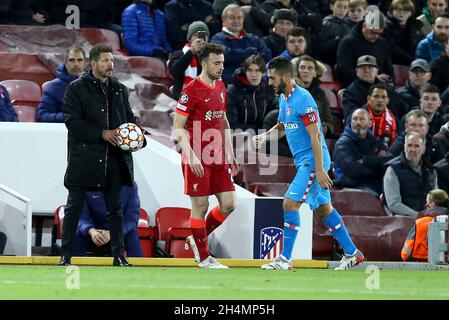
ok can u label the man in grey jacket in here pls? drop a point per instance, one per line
(409, 177)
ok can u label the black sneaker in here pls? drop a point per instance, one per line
(65, 261)
(120, 261)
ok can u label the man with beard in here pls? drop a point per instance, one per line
(383, 122)
(295, 43)
(94, 106)
(300, 122)
(208, 167)
(50, 108)
(359, 156)
(432, 46)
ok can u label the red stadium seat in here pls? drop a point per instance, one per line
(173, 227)
(327, 75)
(44, 85)
(25, 66)
(103, 36)
(26, 113)
(400, 75)
(332, 85)
(23, 92)
(340, 98)
(332, 98)
(147, 235)
(356, 202)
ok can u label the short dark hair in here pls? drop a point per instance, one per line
(377, 86)
(97, 50)
(306, 57)
(254, 59)
(74, 49)
(281, 64)
(429, 88)
(209, 48)
(297, 32)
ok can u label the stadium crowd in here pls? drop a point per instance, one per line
(385, 138)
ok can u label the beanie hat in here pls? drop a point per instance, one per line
(195, 27)
(284, 14)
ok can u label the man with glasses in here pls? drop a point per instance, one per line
(365, 39)
(432, 46)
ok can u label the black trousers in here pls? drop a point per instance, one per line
(113, 201)
(2, 242)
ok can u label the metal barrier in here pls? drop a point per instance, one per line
(437, 239)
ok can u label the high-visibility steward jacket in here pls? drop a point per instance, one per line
(415, 246)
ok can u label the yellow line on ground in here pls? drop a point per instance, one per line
(154, 262)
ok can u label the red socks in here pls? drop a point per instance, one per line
(202, 228)
(214, 219)
(198, 227)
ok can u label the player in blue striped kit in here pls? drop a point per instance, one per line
(300, 122)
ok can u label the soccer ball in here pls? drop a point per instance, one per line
(130, 137)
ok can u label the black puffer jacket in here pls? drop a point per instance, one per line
(333, 29)
(86, 115)
(247, 104)
(440, 76)
(353, 46)
(403, 41)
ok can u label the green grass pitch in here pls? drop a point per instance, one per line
(172, 283)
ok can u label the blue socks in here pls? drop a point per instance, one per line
(335, 223)
(291, 227)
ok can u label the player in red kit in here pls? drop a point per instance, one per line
(208, 161)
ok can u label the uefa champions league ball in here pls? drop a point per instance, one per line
(130, 137)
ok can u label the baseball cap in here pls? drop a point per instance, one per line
(366, 61)
(420, 63)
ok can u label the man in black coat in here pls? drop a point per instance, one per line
(440, 73)
(359, 156)
(94, 106)
(364, 39)
(356, 93)
(418, 76)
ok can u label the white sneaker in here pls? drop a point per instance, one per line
(280, 263)
(211, 263)
(191, 242)
(347, 262)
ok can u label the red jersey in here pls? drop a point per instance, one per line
(205, 107)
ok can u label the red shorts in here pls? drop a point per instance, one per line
(216, 179)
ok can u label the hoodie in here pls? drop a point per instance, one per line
(50, 107)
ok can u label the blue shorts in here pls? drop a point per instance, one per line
(306, 189)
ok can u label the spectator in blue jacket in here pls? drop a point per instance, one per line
(432, 46)
(93, 227)
(144, 31)
(50, 108)
(238, 44)
(7, 112)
